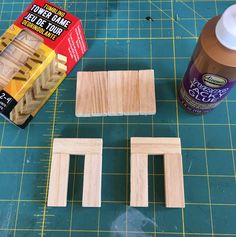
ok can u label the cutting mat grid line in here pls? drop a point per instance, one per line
(120, 37)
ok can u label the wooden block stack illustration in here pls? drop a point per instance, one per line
(62, 149)
(141, 147)
(115, 93)
(40, 89)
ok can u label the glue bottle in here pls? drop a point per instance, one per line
(211, 73)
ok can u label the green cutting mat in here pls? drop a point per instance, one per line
(120, 37)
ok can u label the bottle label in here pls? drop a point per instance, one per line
(200, 93)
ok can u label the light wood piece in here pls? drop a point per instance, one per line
(147, 91)
(59, 176)
(131, 98)
(139, 180)
(115, 93)
(92, 181)
(92, 150)
(99, 94)
(174, 186)
(155, 146)
(84, 94)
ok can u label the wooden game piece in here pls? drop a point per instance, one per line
(131, 93)
(92, 180)
(171, 149)
(59, 175)
(61, 58)
(139, 180)
(74, 146)
(92, 150)
(99, 93)
(147, 92)
(174, 184)
(84, 94)
(155, 146)
(60, 67)
(115, 93)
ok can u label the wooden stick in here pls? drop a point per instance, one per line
(58, 184)
(92, 181)
(139, 180)
(131, 92)
(155, 145)
(115, 93)
(99, 93)
(147, 92)
(84, 95)
(174, 184)
(77, 146)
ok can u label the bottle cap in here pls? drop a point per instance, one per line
(226, 28)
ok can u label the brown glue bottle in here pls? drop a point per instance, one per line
(211, 73)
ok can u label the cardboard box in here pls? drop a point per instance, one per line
(36, 53)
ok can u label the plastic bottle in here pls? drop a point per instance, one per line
(211, 73)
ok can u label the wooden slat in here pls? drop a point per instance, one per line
(155, 146)
(99, 94)
(174, 185)
(139, 180)
(130, 92)
(77, 146)
(147, 92)
(58, 184)
(115, 93)
(92, 181)
(84, 95)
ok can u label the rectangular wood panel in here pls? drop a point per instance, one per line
(131, 92)
(77, 146)
(84, 95)
(99, 93)
(174, 184)
(155, 146)
(115, 93)
(58, 184)
(92, 181)
(147, 92)
(139, 180)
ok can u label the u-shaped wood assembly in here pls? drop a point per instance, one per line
(173, 172)
(140, 149)
(62, 149)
